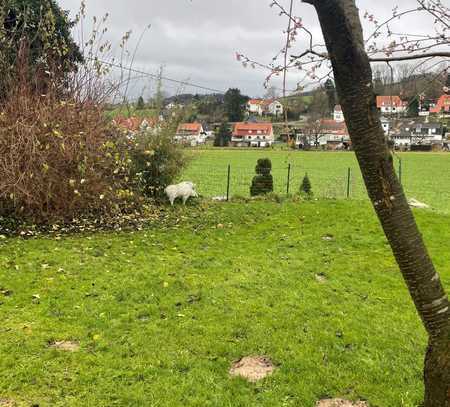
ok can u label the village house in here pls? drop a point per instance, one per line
(255, 106)
(191, 134)
(412, 134)
(338, 114)
(252, 135)
(136, 124)
(442, 106)
(327, 134)
(274, 108)
(391, 104)
(262, 107)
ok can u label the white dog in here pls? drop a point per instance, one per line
(184, 190)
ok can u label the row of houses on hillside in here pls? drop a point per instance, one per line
(389, 105)
(386, 105)
(260, 107)
(330, 134)
(404, 133)
(411, 134)
(244, 134)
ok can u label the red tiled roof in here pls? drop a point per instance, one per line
(443, 104)
(256, 101)
(189, 128)
(268, 102)
(334, 127)
(383, 101)
(132, 123)
(246, 129)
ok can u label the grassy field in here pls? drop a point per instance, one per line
(131, 112)
(161, 314)
(425, 176)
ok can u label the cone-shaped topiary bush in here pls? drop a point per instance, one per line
(262, 183)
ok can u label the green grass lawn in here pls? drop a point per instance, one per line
(425, 176)
(161, 314)
(123, 111)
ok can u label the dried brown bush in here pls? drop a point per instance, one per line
(58, 158)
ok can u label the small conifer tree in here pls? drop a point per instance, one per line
(305, 187)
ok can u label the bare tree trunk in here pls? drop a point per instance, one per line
(342, 30)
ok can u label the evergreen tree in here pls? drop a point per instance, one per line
(413, 107)
(305, 187)
(235, 103)
(140, 103)
(223, 135)
(38, 31)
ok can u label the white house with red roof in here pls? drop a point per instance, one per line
(442, 106)
(190, 133)
(265, 106)
(338, 114)
(252, 135)
(274, 107)
(391, 104)
(255, 106)
(136, 124)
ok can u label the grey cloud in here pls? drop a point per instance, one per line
(198, 39)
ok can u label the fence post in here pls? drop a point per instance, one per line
(228, 182)
(400, 170)
(288, 179)
(349, 174)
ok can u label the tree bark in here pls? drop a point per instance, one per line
(343, 34)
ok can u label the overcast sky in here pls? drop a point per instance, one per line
(196, 40)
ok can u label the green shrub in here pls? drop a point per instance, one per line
(305, 187)
(156, 160)
(262, 183)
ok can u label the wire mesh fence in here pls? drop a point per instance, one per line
(232, 180)
(225, 181)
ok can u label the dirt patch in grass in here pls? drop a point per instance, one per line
(67, 346)
(340, 403)
(7, 403)
(252, 368)
(321, 278)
